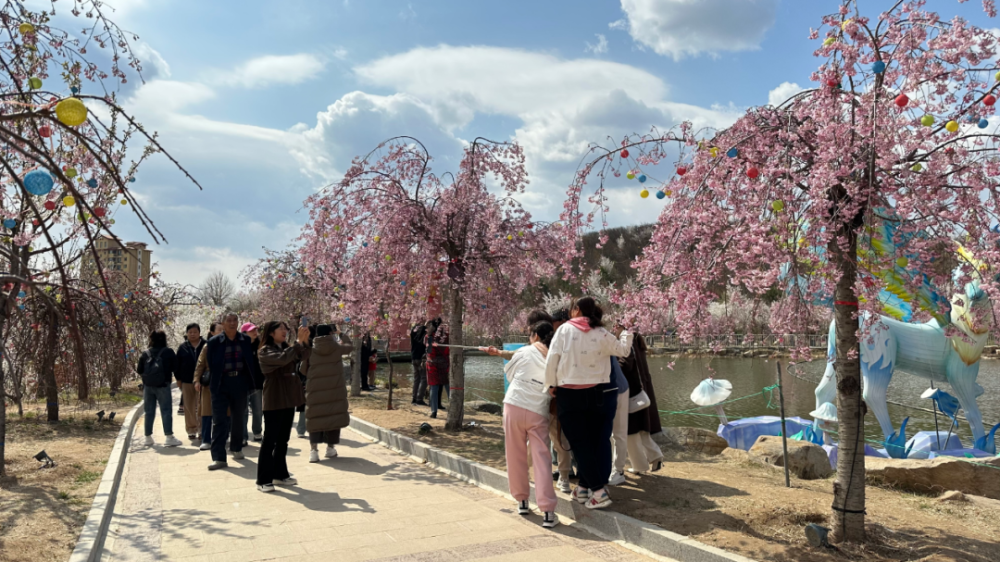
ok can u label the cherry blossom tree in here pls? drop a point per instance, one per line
(65, 167)
(396, 242)
(897, 135)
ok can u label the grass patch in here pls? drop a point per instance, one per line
(86, 477)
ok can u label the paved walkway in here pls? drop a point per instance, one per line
(368, 504)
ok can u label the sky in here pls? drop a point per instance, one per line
(266, 102)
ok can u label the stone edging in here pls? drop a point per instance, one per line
(90, 544)
(605, 524)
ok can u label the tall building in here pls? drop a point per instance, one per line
(133, 259)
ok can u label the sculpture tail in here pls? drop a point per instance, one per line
(988, 442)
(895, 445)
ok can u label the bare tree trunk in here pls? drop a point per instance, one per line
(49, 373)
(388, 359)
(3, 414)
(456, 399)
(849, 487)
(356, 367)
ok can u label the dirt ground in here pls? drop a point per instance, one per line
(740, 506)
(42, 510)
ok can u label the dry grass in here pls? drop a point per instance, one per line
(43, 510)
(743, 507)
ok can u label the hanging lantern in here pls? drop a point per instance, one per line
(630, 176)
(45, 131)
(752, 172)
(927, 120)
(642, 178)
(660, 195)
(983, 123)
(878, 67)
(733, 152)
(69, 201)
(35, 83)
(9, 224)
(92, 183)
(989, 100)
(644, 193)
(71, 112)
(124, 201)
(902, 100)
(624, 152)
(778, 205)
(38, 182)
(681, 170)
(70, 172)
(50, 205)
(26, 28)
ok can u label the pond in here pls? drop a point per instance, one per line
(484, 381)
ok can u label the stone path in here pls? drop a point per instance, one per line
(368, 504)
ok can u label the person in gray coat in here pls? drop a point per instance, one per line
(326, 390)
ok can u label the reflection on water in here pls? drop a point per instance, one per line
(484, 381)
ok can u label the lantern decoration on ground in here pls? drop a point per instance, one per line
(71, 112)
(902, 100)
(712, 392)
(38, 182)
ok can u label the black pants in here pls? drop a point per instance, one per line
(231, 395)
(587, 417)
(330, 437)
(271, 463)
(419, 379)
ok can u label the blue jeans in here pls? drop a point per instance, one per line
(151, 397)
(206, 429)
(256, 399)
(231, 395)
(300, 427)
(436, 396)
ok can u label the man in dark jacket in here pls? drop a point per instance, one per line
(255, 398)
(187, 359)
(418, 350)
(230, 360)
(157, 366)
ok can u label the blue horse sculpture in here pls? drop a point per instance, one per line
(923, 350)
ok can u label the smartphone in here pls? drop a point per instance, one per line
(304, 322)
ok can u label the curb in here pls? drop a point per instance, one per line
(608, 525)
(90, 544)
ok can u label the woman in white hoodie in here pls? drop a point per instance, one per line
(578, 374)
(526, 423)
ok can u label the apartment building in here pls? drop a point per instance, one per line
(132, 259)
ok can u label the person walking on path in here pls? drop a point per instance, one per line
(437, 364)
(366, 353)
(187, 360)
(231, 367)
(255, 398)
(157, 365)
(526, 424)
(201, 384)
(619, 430)
(578, 374)
(418, 351)
(643, 453)
(326, 390)
(282, 395)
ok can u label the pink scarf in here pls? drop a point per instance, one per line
(581, 323)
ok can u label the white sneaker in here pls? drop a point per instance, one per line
(238, 456)
(205, 446)
(598, 500)
(172, 441)
(266, 488)
(581, 495)
(549, 520)
(523, 508)
(563, 486)
(616, 479)
(148, 441)
(314, 455)
(331, 452)
(258, 437)
(286, 482)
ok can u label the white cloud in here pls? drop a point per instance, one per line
(275, 69)
(154, 65)
(688, 27)
(786, 90)
(600, 48)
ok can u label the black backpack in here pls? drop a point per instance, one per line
(155, 374)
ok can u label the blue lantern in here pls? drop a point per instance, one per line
(484, 307)
(983, 123)
(91, 183)
(103, 304)
(403, 283)
(21, 294)
(660, 195)
(364, 244)
(20, 306)
(9, 223)
(100, 324)
(131, 180)
(74, 90)
(642, 178)
(732, 153)
(878, 67)
(38, 182)
(348, 319)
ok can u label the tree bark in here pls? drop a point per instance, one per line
(356, 367)
(49, 373)
(3, 413)
(849, 486)
(456, 400)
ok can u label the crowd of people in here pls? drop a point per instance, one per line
(578, 393)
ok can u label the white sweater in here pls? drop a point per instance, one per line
(526, 373)
(578, 357)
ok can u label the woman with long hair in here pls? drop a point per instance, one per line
(204, 391)
(578, 374)
(157, 365)
(643, 453)
(526, 424)
(437, 363)
(282, 394)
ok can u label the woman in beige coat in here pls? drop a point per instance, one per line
(326, 390)
(203, 390)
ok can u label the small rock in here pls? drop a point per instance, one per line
(805, 460)
(952, 496)
(484, 406)
(691, 439)
(937, 475)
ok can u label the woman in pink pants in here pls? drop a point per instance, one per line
(526, 424)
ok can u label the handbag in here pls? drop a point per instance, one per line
(206, 378)
(638, 402)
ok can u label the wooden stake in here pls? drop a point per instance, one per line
(784, 430)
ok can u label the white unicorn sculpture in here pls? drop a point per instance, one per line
(922, 350)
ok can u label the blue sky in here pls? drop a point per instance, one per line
(265, 102)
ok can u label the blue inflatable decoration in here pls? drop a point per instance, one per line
(983, 123)
(660, 195)
(642, 178)
(732, 153)
(38, 182)
(91, 183)
(988, 442)
(878, 67)
(9, 223)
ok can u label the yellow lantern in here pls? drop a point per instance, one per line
(26, 28)
(69, 201)
(71, 112)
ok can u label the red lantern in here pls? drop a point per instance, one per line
(681, 170)
(902, 100)
(395, 271)
(752, 172)
(100, 211)
(832, 83)
(50, 205)
(625, 153)
(990, 99)
(45, 131)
